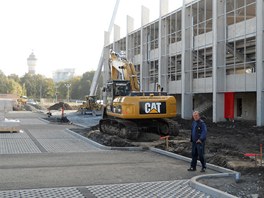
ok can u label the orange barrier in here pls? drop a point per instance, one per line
(255, 155)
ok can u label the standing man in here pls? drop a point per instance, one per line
(198, 138)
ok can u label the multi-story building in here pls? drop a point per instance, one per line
(63, 74)
(209, 54)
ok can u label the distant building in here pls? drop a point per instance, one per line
(32, 61)
(63, 74)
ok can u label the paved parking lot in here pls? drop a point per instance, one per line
(164, 189)
(35, 137)
(46, 160)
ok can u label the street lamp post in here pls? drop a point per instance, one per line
(40, 92)
(68, 85)
(56, 93)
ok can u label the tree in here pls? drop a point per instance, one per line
(38, 86)
(3, 83)
(48, 88)
(14, 77)
(85, 84)
(75, 88)
(9, 85)
(14, 87)
(62, 90)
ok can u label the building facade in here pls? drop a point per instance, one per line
(208, 54)
(63, 74)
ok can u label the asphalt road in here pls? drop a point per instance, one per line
(60, 159)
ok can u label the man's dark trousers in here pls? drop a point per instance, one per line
(198, 150)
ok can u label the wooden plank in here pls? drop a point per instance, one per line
(9, 129)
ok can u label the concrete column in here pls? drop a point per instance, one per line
(105, 72)
(162, 77)
(163, 7)
(219, 51)
(106, 55)
(144, 16)
(130, 24)
(143, 38)
(116, 36)
(187, 79)
(260, 62)
(106, 38)
(130, 28)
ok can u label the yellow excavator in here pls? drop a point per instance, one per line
(91, 106)
(22, 100)
(129, 111)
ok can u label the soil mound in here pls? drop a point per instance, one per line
(108, 140)
(59, 105)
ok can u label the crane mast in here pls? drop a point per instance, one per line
(100, 64)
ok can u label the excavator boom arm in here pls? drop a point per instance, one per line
(122, 69)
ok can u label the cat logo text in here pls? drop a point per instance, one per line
(152, 107)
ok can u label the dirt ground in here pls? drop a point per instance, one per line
(225, 146)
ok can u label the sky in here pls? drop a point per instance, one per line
(62, 33)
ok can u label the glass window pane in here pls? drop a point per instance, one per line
(251, 11)
(239, 3)
(230, 18)
(201, 11)
(240, 15)
(250, 1)
(229, 5)
(209, 9)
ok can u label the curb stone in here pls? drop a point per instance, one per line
(210, 190)
(194, 183)
(223, 172)
(103, 146)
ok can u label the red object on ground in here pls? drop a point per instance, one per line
(251, 154)
(229, 105)
(164, 137)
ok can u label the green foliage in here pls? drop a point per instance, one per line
(80, 86)
(14, 77)
(37, 86)
(14, 87)
(9, 85)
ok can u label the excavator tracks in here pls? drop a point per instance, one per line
(173, 127)
(131, 129)
(122, 128)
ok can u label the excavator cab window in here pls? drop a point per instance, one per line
(109, 93)
(117, 88)
(92, 99)
(121, 88)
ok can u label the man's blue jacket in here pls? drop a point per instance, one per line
(199, 131)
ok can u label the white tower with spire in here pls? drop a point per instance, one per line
(31, 61)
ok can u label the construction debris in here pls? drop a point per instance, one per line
(60, 105)
(7, 125)
(225, 147)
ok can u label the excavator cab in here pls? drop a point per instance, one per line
(117, 88)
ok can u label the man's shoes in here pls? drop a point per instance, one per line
(202, 170)
(191, 169)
